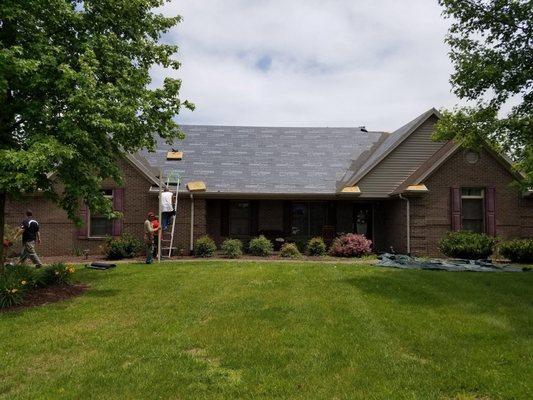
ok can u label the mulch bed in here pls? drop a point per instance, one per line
(47, 295)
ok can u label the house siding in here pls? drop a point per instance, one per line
(401, 162)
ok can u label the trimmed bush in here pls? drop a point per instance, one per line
(290, 250)
(350, 245)
(204, 247)
(55, 274)
(232, 248)
(260, 246)
(517, 250)
(467, 245)
(316, 247)
(125, 246)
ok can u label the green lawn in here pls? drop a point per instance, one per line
(232, 330)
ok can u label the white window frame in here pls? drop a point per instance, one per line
(107, 196)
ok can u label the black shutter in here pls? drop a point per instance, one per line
(224, 218)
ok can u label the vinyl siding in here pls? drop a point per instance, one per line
(401, 163)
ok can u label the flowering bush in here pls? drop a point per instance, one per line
(290, 250)
(232, 248)
(316, 247)
(12, 290)
(55, 274)
(350, 245)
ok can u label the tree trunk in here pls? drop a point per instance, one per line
(2, 219)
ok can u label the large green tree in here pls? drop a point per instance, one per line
(491, 45)
(75, 94)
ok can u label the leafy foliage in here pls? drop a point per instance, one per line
(204, 247)
(232, 248)
(517, 250)
(261, 246)
(11, 290)
(468, 245)
(491, 51)
(55, 274)
(290, 250)
(125, 246)
(350, 245)
(76, 93)
(316, 247)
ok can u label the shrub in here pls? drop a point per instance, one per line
(468, 245)
(11, 290)
(125, 246)
(232, 248)
(350, 245)
(55, 274)
(260, 246)
(204, 247)
(316, 247)
(25, 274)
(517, 250)
(290, 250)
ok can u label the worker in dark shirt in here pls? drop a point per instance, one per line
(30, 235)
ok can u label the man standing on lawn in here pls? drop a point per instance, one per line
(30, 235)
(167, 207)
(149, 234)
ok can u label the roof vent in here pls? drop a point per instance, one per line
(174, 155)
(363, 129)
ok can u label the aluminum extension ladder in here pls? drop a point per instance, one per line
(173, 178)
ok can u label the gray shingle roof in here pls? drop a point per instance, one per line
(231, 159)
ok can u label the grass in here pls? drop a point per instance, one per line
(285, 330)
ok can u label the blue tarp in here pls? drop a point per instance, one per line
(408, 262)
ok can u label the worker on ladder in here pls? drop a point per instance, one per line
(167, 208)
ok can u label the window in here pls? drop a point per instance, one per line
(472, 204)
(239, 218)
(308, 219)
(100, 225)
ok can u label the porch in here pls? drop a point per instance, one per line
(298, 220)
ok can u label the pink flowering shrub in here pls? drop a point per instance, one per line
(350, 245)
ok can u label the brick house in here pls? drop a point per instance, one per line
(400, 189)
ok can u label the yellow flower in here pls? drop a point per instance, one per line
(57, 272)
(22, 282)
(15, 290)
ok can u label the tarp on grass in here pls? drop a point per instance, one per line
(408, 262)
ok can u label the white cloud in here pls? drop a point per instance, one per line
(377, 63)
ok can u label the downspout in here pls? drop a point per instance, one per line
(191, 247)
(408, 222)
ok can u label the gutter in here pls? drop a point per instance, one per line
(408, 222)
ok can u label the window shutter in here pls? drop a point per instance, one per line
(118, 205)
(82, 230)
(224, 218)
(490, 211)
(456, 208)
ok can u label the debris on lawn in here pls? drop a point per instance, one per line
(408, 262)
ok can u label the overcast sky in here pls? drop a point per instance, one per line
(377, 63)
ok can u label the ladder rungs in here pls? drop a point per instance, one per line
(168, 248)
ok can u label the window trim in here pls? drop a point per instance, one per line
(107, 196)
(480, 197)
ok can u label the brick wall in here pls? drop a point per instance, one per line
(430, 214)
(60, 236)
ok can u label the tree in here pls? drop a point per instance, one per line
(75, 95)
(492, 51)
